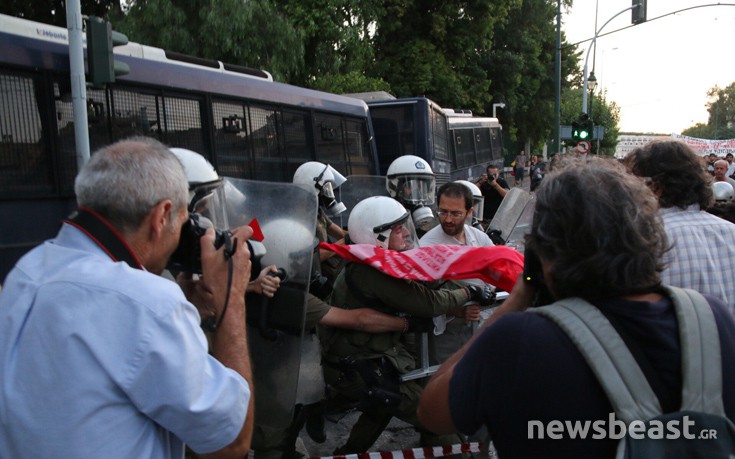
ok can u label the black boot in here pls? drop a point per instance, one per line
(314, 414)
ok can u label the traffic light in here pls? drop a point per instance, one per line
(101, 39)
(638, 12)
(582, 128)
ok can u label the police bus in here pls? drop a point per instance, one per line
(475, 142)
(412, 126)
(457, 145)
(244, 123)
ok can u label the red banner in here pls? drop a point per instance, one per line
(498, 265)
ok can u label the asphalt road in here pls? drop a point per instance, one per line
(397, 436)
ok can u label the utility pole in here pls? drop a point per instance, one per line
(556, 144)
(78, 82)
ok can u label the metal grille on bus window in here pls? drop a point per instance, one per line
(483, 147)
(266, 144)
(328, 138)
(296, 146)
(182, 124)
(464, 147)
(358, 150)
(497, 143)
(231, 149)
(97, 118)
(66, 161)
(134, 113)
(25, 165)
(441, 136)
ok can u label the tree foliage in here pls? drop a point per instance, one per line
(521, 63)
(250, 33)
(721, 108)
(435, 49)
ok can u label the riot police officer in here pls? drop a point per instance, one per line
(411, 182)
(365, 368)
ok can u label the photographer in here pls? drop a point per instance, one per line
(114, 350)
(494, 188)
(605, 249)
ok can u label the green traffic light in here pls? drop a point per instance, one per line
(583, 135)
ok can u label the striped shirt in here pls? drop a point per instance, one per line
(702, 256)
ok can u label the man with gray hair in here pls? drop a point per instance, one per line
(702, 245)
(721, 168)
(101, 356)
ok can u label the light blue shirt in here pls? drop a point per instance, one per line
(703, 252)
(100, 360)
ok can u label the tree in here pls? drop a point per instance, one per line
(435, 49)
(521, 67)
(337, 38)
(250, 33)
(721, 122)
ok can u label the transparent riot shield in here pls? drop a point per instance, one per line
(286, 214)
(508, 217)
(354, 190)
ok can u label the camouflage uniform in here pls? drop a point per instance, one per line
(364, 367)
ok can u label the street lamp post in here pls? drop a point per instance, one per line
(592, 85)
(495, 106)
(594, 39)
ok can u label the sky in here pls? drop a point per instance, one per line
(657, 72)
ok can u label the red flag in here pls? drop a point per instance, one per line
(257, 232)
(496, 265)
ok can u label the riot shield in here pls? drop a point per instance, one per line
(286, 214)
(354, 190)
(508, 216)
(517, 237)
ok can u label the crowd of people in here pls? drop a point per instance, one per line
(104, 356)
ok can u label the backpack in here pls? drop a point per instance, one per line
(700, 428)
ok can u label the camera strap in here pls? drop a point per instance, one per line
(104, 235)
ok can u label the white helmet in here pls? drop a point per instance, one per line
(198, 169)
(478, 200)
(322, 179)
(206, 193)
(723, 191)
(373, 219)
(411, 181)
(290, 245)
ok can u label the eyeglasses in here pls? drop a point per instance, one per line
(455, 214)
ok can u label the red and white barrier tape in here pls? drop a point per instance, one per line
(414, 453)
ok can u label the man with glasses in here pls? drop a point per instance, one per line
(454, 209)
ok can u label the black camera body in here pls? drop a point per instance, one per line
(188, 257)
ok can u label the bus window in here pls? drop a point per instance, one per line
(25, 168)
(356, 140)
(464, 143)
(231, 149)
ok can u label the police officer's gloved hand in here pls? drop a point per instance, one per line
(420, 325)
(484, 296)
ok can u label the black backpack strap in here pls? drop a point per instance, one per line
(104, 235)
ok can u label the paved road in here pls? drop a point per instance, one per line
(397, 436)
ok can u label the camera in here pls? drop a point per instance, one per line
(188, 257)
